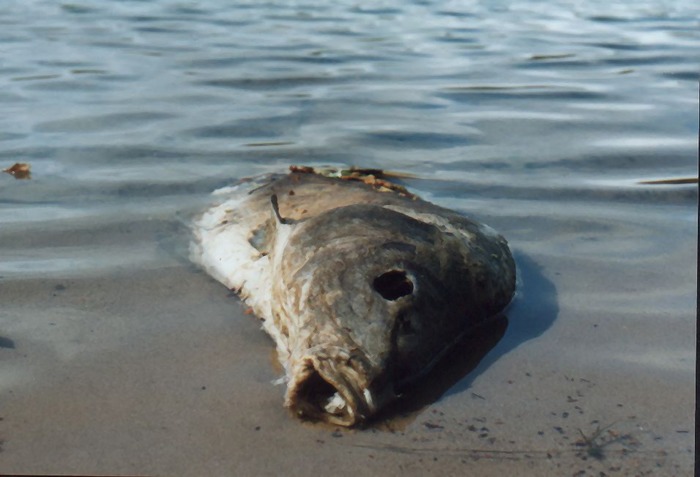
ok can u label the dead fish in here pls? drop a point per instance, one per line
(363, 287)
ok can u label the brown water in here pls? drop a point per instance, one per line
(117, 356)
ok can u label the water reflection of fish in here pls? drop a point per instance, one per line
(362, 285)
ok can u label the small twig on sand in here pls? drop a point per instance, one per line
(596, 443)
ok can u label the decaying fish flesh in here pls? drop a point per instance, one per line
(362, 285)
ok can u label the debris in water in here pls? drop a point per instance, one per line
(19, 170)
(680, 180)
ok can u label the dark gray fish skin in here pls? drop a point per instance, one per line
(368, 289)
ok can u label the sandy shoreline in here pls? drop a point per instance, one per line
(160, 371)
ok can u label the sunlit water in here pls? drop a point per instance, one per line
(539, 118)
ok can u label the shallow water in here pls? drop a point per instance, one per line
(540, 120)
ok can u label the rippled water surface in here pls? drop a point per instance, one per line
(542, 119)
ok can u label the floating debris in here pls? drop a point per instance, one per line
(555, 56)
(19, 170)
(680, 180)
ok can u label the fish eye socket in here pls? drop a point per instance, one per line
(393, 284)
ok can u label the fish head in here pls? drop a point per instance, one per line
(375, 298)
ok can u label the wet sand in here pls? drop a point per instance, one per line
(158, 370)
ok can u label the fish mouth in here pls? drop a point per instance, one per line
(333, 390)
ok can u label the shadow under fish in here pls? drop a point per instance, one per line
(362, 285)
(462, 359)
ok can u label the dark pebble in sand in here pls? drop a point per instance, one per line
(6, 343)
